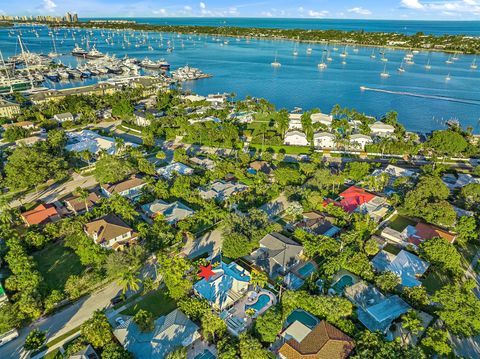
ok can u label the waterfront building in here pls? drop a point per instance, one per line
(359, 141)
(324, 140)
(295, 138)
(381, 129)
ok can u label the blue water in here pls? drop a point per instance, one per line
(243, 67)
(401, 26)
(261, 302)
(307, 269)
(303, 317)
(342, 283)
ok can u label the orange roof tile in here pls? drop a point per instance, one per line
(40, 214)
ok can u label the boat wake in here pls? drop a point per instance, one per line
(433, 97)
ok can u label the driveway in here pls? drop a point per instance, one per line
(64, 321)
(208, 243)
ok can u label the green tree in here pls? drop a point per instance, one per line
(258, 278)
(129, 281)
(114, 351)
(10, 317)
(371, 247)
(411, 323)
(97, 330)
(466, 229)
(179, 353)
(357, 171)
(194, 308)
(174, 273)
(436, 342)
(213, 327)
(441, 253)
(417, 295)
(144, 319)
(268, 325)
(387, 281)
(111, 169)
(448, 143)
(35, 339)
(122, 109)
(161, 155)
(250, 348)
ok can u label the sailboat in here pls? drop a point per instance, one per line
(322, 65)
(373, 56)
(309, 50)
(54, 53)
(449, 61)
(474, 65)
(428, 66)
(344, 53)
(276, 63)
(448, 78)
(384, 73)
(295, 51)
(384, 59)
(401, 69)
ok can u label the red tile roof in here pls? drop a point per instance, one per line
(40, 214)
(352, 198)
(426, 231)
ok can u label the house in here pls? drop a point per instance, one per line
(295, 138)
(30, 141)
(324, 341)
(294, 122)
(221, 190)
(375, 310)
(63, 117)
(204, 119)
(130, 188)
(193, 98)
(170, 332)
(92, 142)
(77, 205)
(8, 109)
(324, 140)
(381, 129)
(42, 214)
(322, 118)
(217, 99)
(204, 162)
(461, 180)
(228, 285)
(110, 232)
(423, 231)
(86, 353)
(172, 212)
(261, 166)
(277, 254)
(318, 223)
(395, 172)
(28, 125)
(359, 141)
(140, 119)
(404, 264)
(173, 168)
(356, 199)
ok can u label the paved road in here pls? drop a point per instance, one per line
(63, 321)
(57, 190)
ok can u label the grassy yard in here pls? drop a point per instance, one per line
(56, 263)
(156, 302)
(399, 223)
(289, 150)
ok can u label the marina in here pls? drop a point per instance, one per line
(310, 76)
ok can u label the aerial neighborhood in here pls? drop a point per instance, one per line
(172, 225)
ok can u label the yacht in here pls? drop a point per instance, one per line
(384, 59)
(276, 63)
(428, 66)
(474, 65)
(449, 61)
(373, 56)
(344, 53)
(401, 69)
(448, 78)
(309, 51)
(78, 51)
(94, 54)
(384, 73)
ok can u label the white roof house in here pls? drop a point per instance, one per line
(205, 162)
(63, 117)
(459, 181)
(360, 141)
(221, 190)
(204, 119)
(381, 129)
(173, 212)
(295, 138)
(194, 98)
(295, 125)
(322, 118)
(324, 140)
(175, 167)
(92, 142)
(140, 119)
(294, 116)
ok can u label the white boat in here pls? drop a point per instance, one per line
(449, 60)
(448, 78)
(428, 66)
(309, 51)
(474, 65)
(276, 63)
(384, 73)
(401, 69)
(373, 56)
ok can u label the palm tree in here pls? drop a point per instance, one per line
(83, 194)
(129, 281)
(119, 144)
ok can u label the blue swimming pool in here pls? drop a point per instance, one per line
(303, 317)
(261, 302)
(306, 270)
(342, 283)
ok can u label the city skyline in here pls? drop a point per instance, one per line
(348, 9)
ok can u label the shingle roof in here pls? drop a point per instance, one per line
(107, 228)
(323, 342)
(173, 212)
(119, 187)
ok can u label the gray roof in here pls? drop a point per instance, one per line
(405, 264)
(276, 253)
(171, 331)
(173, 212)
(221, 190)
(374, 310)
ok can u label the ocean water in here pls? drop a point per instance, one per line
(471, 28)
(423, 98)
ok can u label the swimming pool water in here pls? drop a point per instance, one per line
(307, 269)
(303, 317)
(342, 283)
(261, 302)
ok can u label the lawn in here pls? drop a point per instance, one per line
(399, 223)
(156, 302)
(289, 150)
(56, 263)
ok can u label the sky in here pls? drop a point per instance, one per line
(337, 9)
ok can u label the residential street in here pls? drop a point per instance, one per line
(63, 321)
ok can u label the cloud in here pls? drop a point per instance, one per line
(411, 4)
(162, 12)
(360, 11)
(202, 5)
(187, 8)
(314, 13)
(49, 5)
